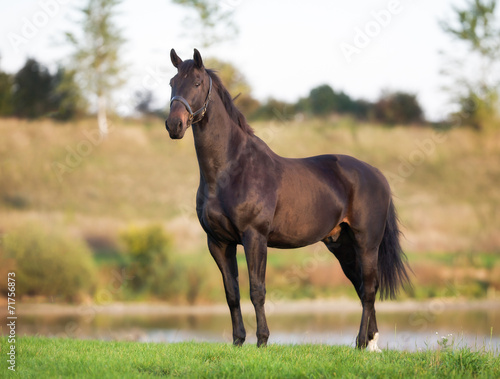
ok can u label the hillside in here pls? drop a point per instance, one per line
(445, 184)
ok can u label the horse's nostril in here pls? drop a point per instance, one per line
(166, 124)
(179, 124)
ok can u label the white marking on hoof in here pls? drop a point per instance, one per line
(372, 344)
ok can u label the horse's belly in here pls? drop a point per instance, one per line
(302, 227)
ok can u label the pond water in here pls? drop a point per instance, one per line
(419, 326)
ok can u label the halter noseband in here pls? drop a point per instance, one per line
(200, 111)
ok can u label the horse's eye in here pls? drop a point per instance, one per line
(197, 84)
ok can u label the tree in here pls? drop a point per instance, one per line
(274, 109)
(6, 87)
(144, 104)
(35, 92)
(324, 100)
(33, 87)
(143, 101)
(321, 100)
(397, 108)
(66, 94)
(214, 19)
(96, 59)
(475, 72)
(236, 84)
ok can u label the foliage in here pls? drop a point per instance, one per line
(236, 84)
(148, 249)
(6, 87)
(213, 18)
(48, 263)
(67, 95)
(33, 87)
(475, 25)
(144, 102)
(476, 83)
(34, 92)
(96, 60)
(154, 272)
(397, 108)
(322, 100)
(109, 359)
(274, 109)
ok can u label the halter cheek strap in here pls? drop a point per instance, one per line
(200, 111)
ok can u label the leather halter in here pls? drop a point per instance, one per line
(200, 111)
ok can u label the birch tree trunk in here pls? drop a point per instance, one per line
(102, 121)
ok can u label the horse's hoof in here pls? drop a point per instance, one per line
(262, 343)
(238, 342)
(372, 344)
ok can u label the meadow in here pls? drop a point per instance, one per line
(43, 357)
(65, 177)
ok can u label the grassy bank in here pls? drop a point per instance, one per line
(43, 358)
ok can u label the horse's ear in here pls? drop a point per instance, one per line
(197, 59)
(176, 61)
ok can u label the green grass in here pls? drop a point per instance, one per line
(48, 358)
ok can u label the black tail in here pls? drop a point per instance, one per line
(392, 261)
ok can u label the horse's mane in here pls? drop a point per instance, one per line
(231, 109)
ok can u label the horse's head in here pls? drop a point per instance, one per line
(191, 89)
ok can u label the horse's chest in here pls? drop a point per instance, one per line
(214, 220)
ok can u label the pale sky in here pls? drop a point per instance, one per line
(284, 49)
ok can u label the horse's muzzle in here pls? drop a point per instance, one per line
(176, 127)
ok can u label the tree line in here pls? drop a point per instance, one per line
(392, 107)
(95, 71)
(35, 92)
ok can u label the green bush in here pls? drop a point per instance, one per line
(148, 249)
(48, 263)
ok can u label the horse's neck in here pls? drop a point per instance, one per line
(217, 141)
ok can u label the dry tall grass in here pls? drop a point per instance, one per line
(446, 185)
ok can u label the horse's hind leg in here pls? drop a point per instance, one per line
(344, 249)
(368, 331)
(360, 267)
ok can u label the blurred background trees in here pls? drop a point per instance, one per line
(96, 60)
(87, 83)
(212, 21)
(6, 87)
(32, 90)
(475, 70)
(397, 108)
(35, 92)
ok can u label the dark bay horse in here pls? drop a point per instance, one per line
(249, 195)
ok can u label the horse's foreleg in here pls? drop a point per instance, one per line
(225, 257)
(256, 254)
